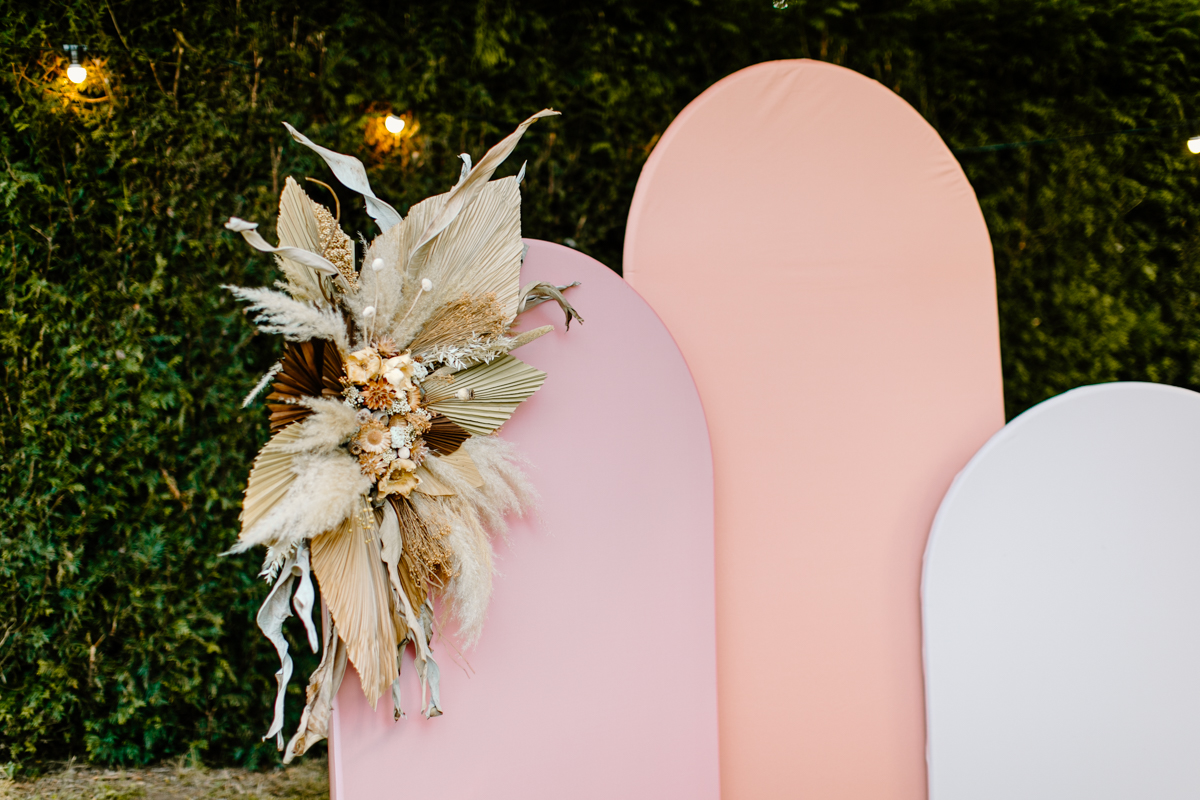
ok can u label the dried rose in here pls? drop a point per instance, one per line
(398, 371)
(363, 365)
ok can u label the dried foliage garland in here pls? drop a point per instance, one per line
(384, 476)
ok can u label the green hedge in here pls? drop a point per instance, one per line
(124, 638)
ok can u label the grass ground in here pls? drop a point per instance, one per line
(305, 780)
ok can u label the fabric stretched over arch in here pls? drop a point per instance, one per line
(596, 673)
(822, 262)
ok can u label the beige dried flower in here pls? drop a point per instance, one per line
(399, 479)
(420, 422)
(374, 465)
(373, 437)
(378, 395)
(386, 347)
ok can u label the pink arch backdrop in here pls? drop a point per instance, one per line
(822, 263)
(596, 674)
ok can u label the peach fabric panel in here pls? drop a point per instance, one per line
(596, 673)
(822, 262)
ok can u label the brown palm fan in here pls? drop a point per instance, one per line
(310, 369)
(444, 437)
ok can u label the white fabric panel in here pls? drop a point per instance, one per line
(1061, 604)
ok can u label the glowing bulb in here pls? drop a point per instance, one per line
(369, 312)
(377, 264)
(393, 123)
(77, 73)
(426, 285)
(1194, 144)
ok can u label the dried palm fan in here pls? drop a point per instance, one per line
(307, 369)
(384, 476)
(444, 437)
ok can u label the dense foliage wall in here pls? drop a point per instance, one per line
(124, 638)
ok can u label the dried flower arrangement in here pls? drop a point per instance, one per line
(384, 477)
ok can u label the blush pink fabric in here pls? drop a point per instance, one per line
(596, 674)
(821, 260)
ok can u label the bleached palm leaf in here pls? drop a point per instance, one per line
(472, 182)
(495, 389)
(540, 292)
(480, 253)
(391, 537)
(353, 580)
(296, 226)
(460, 460)
(270, 477)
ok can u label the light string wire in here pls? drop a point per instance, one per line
(989, 148)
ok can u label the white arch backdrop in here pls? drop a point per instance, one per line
(1062, 605)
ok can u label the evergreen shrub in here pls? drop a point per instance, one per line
(124, 638)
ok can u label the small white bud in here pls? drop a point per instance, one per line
(426, 285)
(369, 311)
(377, 264)
(465, 394)
(403, 452)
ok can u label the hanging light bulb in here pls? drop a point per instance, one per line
(76, 73)
(393, 123)
(1194, 144)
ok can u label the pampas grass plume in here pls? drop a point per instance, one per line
(292, 319)
(327, 489)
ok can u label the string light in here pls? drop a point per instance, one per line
(1194, 144)
(393, 123)
(76, 73)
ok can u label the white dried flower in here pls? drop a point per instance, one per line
(426, 285)
(377, 264)
(369, 311)
(400, 405)
(402, 436)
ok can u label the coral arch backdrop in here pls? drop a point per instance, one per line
(822, 262)
(596, 673)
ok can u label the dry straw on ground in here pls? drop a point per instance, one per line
(306, 780)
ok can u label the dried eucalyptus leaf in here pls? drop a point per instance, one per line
(297, 254)
(537, 292)
(305, 595)
(353, 175)
(270, 621)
